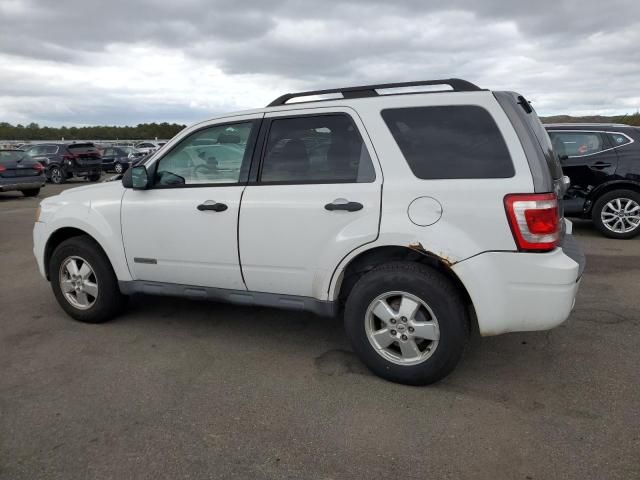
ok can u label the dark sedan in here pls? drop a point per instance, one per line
(18, 172)
(119, 158)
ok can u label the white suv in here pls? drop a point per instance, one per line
(420, 215)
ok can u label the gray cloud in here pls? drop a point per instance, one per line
(569, 56)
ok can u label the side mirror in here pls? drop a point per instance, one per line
(563, 157)
(136, 178)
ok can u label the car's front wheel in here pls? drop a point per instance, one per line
(617, 214)
(407, 322)
(56, 175)
(118, 167)
(84, 282)
(94, 177)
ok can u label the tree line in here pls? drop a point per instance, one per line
(33, 131)
(165, 130)
(633, 119)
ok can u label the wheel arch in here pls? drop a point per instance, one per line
(59, 236)
(368, 259)
(609, 187)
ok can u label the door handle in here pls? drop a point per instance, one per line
(341, 204)
(600, 165)
(211, 205)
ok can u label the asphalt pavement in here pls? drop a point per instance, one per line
(188, 389)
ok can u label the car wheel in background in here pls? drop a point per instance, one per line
(407, 322)
(83, 281)
(56, 175)
(617, 214)
(32, 192)
(118, 167)
(94, 178)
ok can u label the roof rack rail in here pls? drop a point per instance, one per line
(363, 91)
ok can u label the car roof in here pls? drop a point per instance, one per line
(350, 95)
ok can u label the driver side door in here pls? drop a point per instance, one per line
(184, 228)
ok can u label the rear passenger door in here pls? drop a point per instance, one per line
(587, 157)
(314, 197)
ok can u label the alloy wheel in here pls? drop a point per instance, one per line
(402, 328)
(56, 175)
(621, 215)
(78, 282)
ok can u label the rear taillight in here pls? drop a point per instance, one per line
(38, 167)
(3, 168)
(534, 220)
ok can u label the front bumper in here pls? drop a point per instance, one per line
(39, 242)
(11, 184)
(519, 292)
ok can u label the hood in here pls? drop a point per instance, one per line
(85, 194)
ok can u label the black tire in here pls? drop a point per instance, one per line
(32, 192)
(93, 177)
(57, 175)
(600, 204)
(433, 288)
(109, 301)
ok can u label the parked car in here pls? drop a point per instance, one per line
(148, 147)
(603, 163)
(119, 158)
(466, 234)
(66, 160)
(18, 172)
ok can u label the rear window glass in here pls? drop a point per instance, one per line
(7, 156)
(80, 148)
(448, 142)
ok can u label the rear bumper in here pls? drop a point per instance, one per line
(12, 184)
(519, 292)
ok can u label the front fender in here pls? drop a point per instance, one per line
(98, 218)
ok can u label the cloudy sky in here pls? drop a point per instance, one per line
(130, 61)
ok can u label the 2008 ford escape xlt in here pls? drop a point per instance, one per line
(419, 216)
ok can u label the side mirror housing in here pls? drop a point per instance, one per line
(136, 177)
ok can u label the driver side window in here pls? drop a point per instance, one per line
(212, 155)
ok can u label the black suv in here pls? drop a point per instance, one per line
(603, 164)
(65, 160)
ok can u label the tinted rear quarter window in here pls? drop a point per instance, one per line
(450, 142)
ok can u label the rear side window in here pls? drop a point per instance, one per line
(316, 149)
(449, 142)
(618, 139)
(578, 144)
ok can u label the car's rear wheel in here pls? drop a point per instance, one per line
(84, 282)
(617, 214)
(56, 175)
(32, 192)
(407, 322)
(93, 177)
(118, 167)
